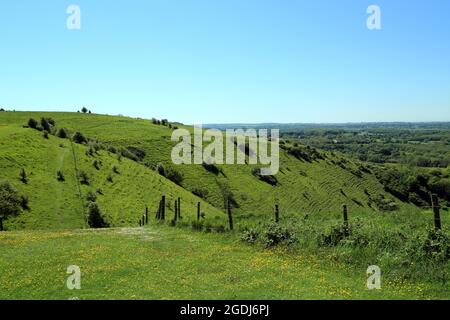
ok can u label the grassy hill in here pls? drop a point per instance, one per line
(304, 186)
(55, 204)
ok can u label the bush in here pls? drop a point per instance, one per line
(160, 169)
(32, 123)
(96, 218)
(45, 124)
(84, 110)
(84, 178)
(23, 175)
(115, 168)
(174, 175)
(45, 134)
(270, 179)
(201, 192)
(109, 178)
(60, 175)
(211, 168)
(24, 202)
(90, 196)
(79, 138)
(275, 234)
(96, 164)
(61, 133)
(138, 154)
(10, 201)
(250, 236)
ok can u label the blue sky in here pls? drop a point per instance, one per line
(224, 61)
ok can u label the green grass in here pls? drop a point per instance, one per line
(159, 262)
(314, 187)
(60, 205)
(162, 262)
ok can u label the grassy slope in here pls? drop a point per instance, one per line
(158, 262)
(58, 205)
(318, 191)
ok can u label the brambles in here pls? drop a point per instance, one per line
(270, 235)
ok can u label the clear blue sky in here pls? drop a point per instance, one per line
(221, 61)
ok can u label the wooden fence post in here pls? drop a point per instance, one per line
(143, 219)
(436, 209)
(158, 213)
(179, 207)
(1, 224)
(146, 215)
(345, 211)
(176, 211)
(198, 212)
(163, 208)
(277, 213)
(230, 216)
(140, 223)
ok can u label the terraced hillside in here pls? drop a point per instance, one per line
(305, 184)
(55, 204)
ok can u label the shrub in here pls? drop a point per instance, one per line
(61, 133)
(84, 178)
(84, 110)
(45, 124)
(109, 178)
(32, 123)
(2, 110)
(275, 234)
(115, 168)
(138, 154)
(23, 175)
(250, 236)
(201, 192)
(79, 138)
(96, 164)
(96, 218)
(270, 179)
(90, 196)
(160, 169)
(174, 175)
(45, 134)
(211, 168)
(60, 175)
(24, 202)
(10, 201)
(99, 191)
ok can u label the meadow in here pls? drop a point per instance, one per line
(121, 166)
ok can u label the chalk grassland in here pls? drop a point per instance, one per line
(160, 262)
(57, 204)
(303, 187)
